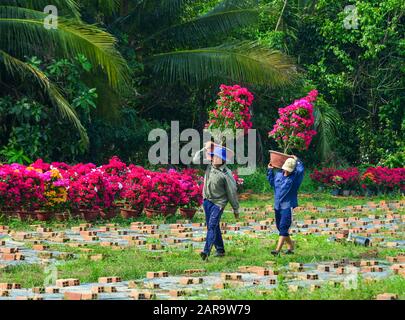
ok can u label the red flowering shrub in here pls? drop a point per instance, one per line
(115, 167)
(135, 187)
(231, 110)
(58, 186)
(86, 191)
(191, 186)
(374, 179)
(384, 179)
(347, 179)
(294, 128)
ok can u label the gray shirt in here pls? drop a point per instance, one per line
(219, 184)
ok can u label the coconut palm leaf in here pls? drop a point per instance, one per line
(327, 120)
(107, 7)
(22, 70)
(23, 31)
(143, 11)
(66, 7)
(247, 62)
(217, 21)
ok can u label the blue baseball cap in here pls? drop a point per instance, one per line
(219, 152)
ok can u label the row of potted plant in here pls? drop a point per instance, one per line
(373, 180)
(43, 190)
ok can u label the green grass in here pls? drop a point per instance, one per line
(364, 291)
(133, 263)
(260, 201)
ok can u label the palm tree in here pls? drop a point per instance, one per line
(178, 47)
(22, 33)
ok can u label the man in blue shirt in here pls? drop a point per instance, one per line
(285, 184)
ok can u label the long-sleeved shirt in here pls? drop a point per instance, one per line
(219, 184)
(286, 187)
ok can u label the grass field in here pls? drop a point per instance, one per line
(132, 263)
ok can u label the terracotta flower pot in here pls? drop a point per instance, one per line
(75, 213)
(23, 215)
(61, 216)
(335, 192)
(277, 159)
(151, 213)
(188, 213)
(43, 215)
(8, 213)
(128, 213)
(109, 213)
(170, 211)
(89, 214)
(346, 193)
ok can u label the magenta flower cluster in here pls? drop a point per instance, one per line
(232, 110)
(294, 128)
(87, 186)
(374, 178)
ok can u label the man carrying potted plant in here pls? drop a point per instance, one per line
(219, 188)
(285, 184)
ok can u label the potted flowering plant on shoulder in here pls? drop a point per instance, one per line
(294, 129)
(231, 113)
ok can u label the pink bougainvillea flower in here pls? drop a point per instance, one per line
(294, 128)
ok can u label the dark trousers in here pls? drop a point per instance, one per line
(283, 221)
(213, 215)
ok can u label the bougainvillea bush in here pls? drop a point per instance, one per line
(21, 188)
(294, 128)
(346, 179)
(135, 187)
(383, 179)
(191, 185)
(59, 187)
(232, 110)
(377, 179)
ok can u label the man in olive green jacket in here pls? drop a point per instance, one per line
(219, 188)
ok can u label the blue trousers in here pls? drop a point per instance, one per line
(283, 221)
(213, 215)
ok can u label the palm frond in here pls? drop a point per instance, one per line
(21, 70)
(66, 7)
(107, 7)
(327, 120)
(217, 21)
(247, 62)
(23, 31)
(142, 11)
